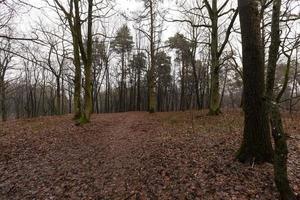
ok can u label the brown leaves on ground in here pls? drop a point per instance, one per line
(185, 155)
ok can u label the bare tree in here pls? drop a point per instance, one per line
(215, 13)
(5, 65)
(281, 150)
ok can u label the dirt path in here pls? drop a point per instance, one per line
(125, 156)
(53, 159)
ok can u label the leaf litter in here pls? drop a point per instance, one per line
(179, 155)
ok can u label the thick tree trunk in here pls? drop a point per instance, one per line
(256, 145)
(86, 55)
(242, 99)
(88, 103)
(77, 79)
(214, 103)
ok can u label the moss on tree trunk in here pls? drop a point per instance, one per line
(214, 104)
(280, 156)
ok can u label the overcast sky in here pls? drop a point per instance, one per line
(27, 20)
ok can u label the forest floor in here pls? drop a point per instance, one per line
(135, 155)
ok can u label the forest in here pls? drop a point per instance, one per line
(150, 99)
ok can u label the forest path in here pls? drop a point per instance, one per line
(51, 158)
(133, 155)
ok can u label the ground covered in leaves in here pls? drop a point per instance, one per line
(184, 155)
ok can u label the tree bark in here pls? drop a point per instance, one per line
(214, 103)
(62, 111)
(294, 87)
(121, 94)
(77, 64)
(183, 95)
(280, 156)
(3, 99)
(58, 96)
(281, 150)
(107, 91)
(86, 56)
(88, 104)
(138, 101)
(256, 145)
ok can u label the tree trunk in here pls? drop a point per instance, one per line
(107, 92)
(95, 91)
(88, 104)
(70, 99)
(196, 81)
(77, 79)
(281, 150)
(182, 95)
(121, 95)
(151, 74)
(294, 87)
(138, 101)
(280, 156)
(134, 92)
(214, 103)
(256, 145)
(62, 111)
(224, 86)
(58, 97)
(2, 99)
(86, 56)
(273, 51)
(159, 95)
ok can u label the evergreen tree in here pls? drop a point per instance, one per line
(183, 48)
(122, 44)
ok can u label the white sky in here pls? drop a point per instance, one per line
(27, 20)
